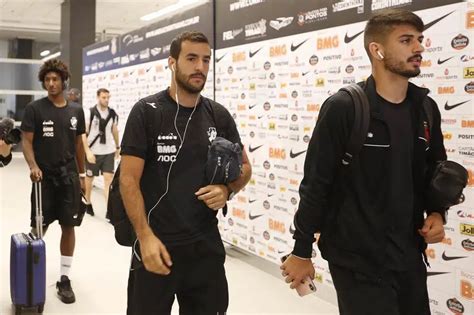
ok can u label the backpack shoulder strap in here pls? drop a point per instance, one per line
(93, 112)
(113, 115)
(361, 121)
(219, 115)
(153, 118)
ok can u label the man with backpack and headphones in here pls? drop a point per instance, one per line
(101, 144)
(167, 197)
(371, 206)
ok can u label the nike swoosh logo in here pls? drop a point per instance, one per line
(252, 106)
(295, 47)
(281, 251)
(448, 258)
(219, 59)
(254, 148)
(270, 195)
(253, 217)
(440, 62)
(260, 117)
(294, 155)
(253, 53)
(348, 39)
(435, 273)
(430, 24)
(449, 107)
(305, 73)
(252, 201)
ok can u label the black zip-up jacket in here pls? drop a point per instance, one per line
(347, 203)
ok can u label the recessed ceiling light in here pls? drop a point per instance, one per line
(171, 8)
(44, 53)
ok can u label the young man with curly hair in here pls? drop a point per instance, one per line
(52, 146)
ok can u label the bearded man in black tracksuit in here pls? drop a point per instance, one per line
(178, 252)
(371, 212)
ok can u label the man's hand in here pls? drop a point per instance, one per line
(5, 149)
(35, 174)
(296, 269)
(90, 157)
(214, 196)
(433, 230)
(155, 257)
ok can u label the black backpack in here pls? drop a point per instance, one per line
(124, 232)
(447, 180)
(362, 120)
(102, 122)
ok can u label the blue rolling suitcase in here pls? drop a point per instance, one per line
(28, 265)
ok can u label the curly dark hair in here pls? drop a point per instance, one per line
(54, 65)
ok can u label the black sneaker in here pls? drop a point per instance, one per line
(90, 210)
(65, 293)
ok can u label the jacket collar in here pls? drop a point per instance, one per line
(415, 93)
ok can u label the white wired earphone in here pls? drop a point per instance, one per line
(173, 69)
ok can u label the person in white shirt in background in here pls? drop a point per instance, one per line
(101, 145)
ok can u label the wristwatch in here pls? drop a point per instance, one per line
(231, 193)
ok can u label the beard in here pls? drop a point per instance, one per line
(400, 67)
(183, 82)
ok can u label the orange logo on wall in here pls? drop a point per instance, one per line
(313, 107)
(277, 153)
(279, 50)
(328, 42)
(447, 135)
(238, 56)
(241, 199)
(430, 252)
(467, 291)
(239, 213)
(276, 226)
(470, 19)
(467, 123)
(426, 63)
(447, 241)
(446, 90)
(294, 182)
(470, 179)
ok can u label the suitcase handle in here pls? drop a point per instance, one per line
(39, 209)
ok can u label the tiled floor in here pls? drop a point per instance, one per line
(100, 267)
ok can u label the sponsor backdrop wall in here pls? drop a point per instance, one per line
(276, 61)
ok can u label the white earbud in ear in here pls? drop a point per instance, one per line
(173, 68)
(380, 54)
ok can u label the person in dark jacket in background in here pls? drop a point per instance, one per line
(371, 212)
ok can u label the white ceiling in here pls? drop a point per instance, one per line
(40, 19)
